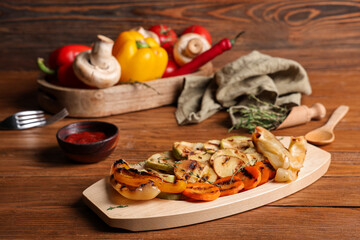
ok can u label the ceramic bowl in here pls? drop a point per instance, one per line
(88, 152)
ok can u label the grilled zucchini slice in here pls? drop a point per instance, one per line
(161, 161)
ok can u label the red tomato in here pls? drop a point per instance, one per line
(166, 35)
(170, 67)
(170, 52)
(199, 30)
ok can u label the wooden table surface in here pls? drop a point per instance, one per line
(40, 189)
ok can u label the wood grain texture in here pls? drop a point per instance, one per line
(40, 189)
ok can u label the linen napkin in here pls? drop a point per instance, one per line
(271, 79)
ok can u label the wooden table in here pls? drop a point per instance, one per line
(40, 189)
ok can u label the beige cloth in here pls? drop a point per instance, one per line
(275, 80)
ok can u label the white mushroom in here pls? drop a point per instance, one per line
(147, 33)
(189, 46)
(97, 67)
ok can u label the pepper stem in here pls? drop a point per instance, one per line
(44, 68)
(236, 37)
(142, 44)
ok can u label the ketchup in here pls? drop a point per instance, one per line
(85, 137)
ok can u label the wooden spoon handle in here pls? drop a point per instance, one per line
(303, 114)
(337, 115)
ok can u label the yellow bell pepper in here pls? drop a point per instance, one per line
(141, 59)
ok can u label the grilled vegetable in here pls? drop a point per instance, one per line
(171, 196)
(285, 175)
(189, 170)
(177, 187)
(135, 178)
(272, 148)
(202, 191)
(286, 163)
(208, 174)
(239, 142)
(161, 161)
(212, 146)
(144, 192)
(297, 149)
(119, 164)
(254, 156)
(266, 170)
(251, 176)
(226, 162)
(199, 155)
(229, 185)
(181, 150)
(164, 176)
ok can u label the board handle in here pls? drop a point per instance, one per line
(303, 114)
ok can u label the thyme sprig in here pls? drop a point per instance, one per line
(119, 206)
(264, 114)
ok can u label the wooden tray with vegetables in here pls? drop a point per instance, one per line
(141, 69)
(198, 182)
(114, 100)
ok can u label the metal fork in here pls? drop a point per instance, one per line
(29, 119)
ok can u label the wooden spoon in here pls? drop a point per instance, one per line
(325, 134)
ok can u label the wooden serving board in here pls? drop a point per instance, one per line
(160, 214)
(115, 100)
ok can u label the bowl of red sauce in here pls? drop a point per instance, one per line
(88, 141)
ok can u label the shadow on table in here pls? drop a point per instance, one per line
(53, 156)
(86, 213)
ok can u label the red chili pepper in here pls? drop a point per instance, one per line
(203, 58)
(60, 62)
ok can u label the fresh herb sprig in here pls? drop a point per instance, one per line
(264, 114)
(119, 206)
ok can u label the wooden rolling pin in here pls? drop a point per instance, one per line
(303, 114)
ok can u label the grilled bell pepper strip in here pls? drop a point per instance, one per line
(141, 59)
(134, 178)
(203, 58)
(60, 62)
